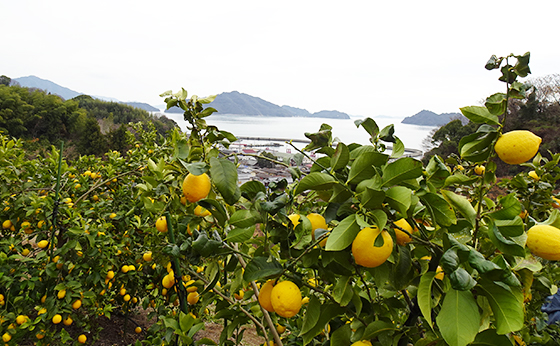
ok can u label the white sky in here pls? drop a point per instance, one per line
(365, 58)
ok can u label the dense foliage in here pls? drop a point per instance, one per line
(36, 116)
(99, 237)
(537, 111)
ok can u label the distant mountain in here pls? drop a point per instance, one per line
(298, 112)
(47, 85)
(242, 104)
(429, 118)
(65, 93)
(143, 106)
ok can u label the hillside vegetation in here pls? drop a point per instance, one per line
(87, 125)
(538, 112)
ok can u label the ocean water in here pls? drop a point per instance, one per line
(295, 128)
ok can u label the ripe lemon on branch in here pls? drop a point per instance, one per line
(517, 146)
(402, 237)
(364, 250)
(265, 295)
(544, 241)
(196, 187)
(285, 298)
(317, 221)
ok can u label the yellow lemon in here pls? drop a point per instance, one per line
(192, 298)
(110, 274)
(138, 330)
(147, 256)
(77, 304)
(168, 280)
(196, 187)
(82, 339)
(362, 343)
(43, 244)
(285, 298)
(280, 329)
(304, 300)
(7, 224)
(200, 211)
(25, 252)
(239, 295)
(533, 175)
(364, 250)
(68, 321)
(544, 241)
(21, 319)
(517, 146)
(317, 221)
(479, 170)
(402, 237)
(125, 269)
(295, 219)
(555, 202)
(265, 296)
(439, 273)
(57, 319)
(61, 294)
(126, 297)
(161, 224)
(6, 337)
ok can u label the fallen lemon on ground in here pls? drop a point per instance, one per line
(544, 241)
(285, 298)
(364, 250)
(517, 146)
(196, 187)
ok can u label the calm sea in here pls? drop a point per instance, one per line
(295, 128)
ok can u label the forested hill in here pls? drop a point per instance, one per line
(242, 104)
(88, 125)
(429, 118)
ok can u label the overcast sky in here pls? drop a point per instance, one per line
(365, 58)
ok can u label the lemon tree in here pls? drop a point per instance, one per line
(368, 248)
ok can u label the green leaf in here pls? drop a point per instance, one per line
(380, 218)
(477, 146)
(402, 269)
(224, 177)
(369, 125)
(522, 65)
(244, 218)
(240, 235)
(343, 292)
(252, 188)
(216, 208)
(399, 198)
(343, 234)
(461, 280)
(398, 148)
(461, 204)
(489, 337)
(503, 244)
(311, 315)
(341, 336)
(341, 157)
(386, 134)
(497, 103)
(459, 318)
(507, 306)
(424, 295)
(480, 115)
(261, 268)
(439, 208)
(377, 327)
(460, 179)
(510, 207)
(402, 169)
(372, 199)
(437, 171)
(328, 313)
(363, 166)
(320, 139)
(340, 193)
(315, 181)
(207, 99)
(511, 228)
